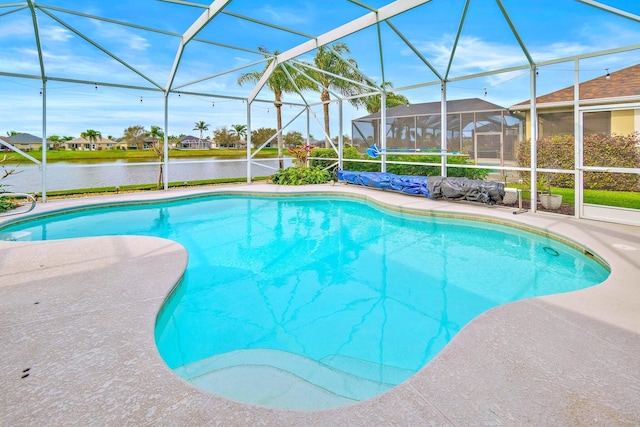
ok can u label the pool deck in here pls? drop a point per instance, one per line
(78, 317)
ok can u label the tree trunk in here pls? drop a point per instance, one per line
(324, 97)
(160, 180)
(278, 105)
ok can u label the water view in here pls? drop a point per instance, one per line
(68, 175)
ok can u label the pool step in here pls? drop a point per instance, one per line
(370, 370)
(280, 379)
(16, 236)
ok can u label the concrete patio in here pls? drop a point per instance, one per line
(78, 317)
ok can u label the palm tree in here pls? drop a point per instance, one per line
(239, 130)
(372, 103)
(156, 135)
(91, 135)
(201, 126)
(279, 83)
(327, 59)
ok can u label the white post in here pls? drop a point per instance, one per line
(340, 141)
(443, 129)
(44, 140)
(383, 130)
(248, 142)
(534, 141)
(578, 143)
(165, 170)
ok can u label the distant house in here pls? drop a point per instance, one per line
(613, 92)
(26, 142)
(86, 144)
(190, 142)
(322, 143)
(6, 141)
(232, 145)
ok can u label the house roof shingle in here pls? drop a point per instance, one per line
(624, 83)
(24, 138)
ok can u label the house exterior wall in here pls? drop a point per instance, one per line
(28, 146)
(622, 122)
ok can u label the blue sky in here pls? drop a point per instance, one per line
(78, 48)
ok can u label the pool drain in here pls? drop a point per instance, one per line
(551, 251)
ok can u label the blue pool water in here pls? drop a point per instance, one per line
(307, 302)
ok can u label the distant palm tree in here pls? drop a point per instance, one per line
(327, 59)
(239, 130)
(156, 134)
(91, 135)
(201, 126)
(279, 83)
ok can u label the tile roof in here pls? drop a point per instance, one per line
(622, 83)
(25, 138)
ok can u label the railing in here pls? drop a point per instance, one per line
(20, 200)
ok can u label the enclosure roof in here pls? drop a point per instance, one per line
(176, 44)
(623, 85)
(199, 48)
(469, 105)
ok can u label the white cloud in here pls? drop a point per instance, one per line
(55, 34)
(283, 17)
(16, 28)
(472, 54)
(121, 37)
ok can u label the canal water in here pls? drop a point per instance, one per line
(69, 175)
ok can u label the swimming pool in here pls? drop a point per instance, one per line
(312, 302)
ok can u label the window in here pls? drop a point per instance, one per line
(552, 124)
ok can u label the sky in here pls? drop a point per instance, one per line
(85, 57)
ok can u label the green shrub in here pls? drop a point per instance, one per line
(423, 170)
(350, 152)
(6, 203)
(301, 175)
(558, 153)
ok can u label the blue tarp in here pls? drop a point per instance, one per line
(433, 187)
(387, 181)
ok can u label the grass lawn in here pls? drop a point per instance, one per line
(622, 199)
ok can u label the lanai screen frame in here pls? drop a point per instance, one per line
(375, 17)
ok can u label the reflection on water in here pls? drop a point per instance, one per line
(94, 174)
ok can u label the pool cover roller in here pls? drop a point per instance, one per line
(433, 187)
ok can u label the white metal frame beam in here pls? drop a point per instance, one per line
(611, 9)
(214, 9)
